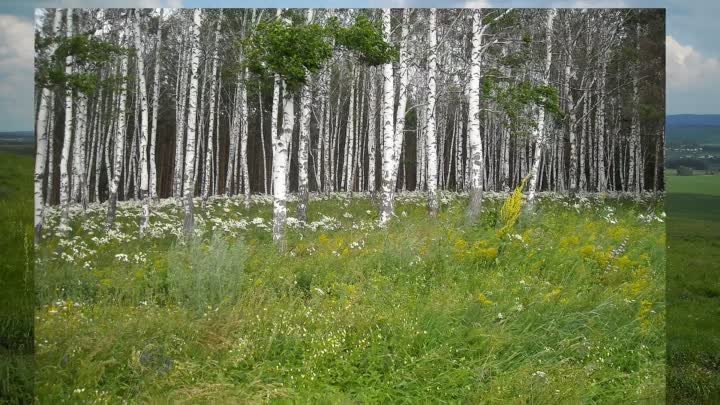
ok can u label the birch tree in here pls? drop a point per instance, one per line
(119, 142)
(42, 126)
(144, 195)
(155, 106)
(68, 137)
(430, 139)
(539, 133)
(388, 185)
(188, 188)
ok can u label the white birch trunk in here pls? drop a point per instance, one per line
(42, 129)
(213, 102)
(475, 156)
(600, 133)
(388, 185)
(430, 136)
(402, 96)
(273, 124)
(119, 140)
(152, 185)
(371, 128)
(143, 141)
(189, 222)
(539, 132)
(244, 143)
(303, 140)
(281, 141)
(67, 139)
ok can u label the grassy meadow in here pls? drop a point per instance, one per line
(568, 307)
(693, 229)
(16, 283)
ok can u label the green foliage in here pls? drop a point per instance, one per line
(292, 51)
(87, 50)
(295, 50)
(202, 275)
(88, 55)
(516, 97)
(365, 39)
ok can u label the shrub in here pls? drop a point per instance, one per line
(204, 274)
(510, 211)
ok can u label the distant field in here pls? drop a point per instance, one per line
(698, 184)
(16, 281)
(693, 134)
(693, 292)
(17, 143)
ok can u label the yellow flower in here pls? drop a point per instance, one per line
(484, 300)
(587, 250)
(569, 241)
(624, 262)
(553, 295)
(643, 313)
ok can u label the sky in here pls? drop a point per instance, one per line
(693, 50)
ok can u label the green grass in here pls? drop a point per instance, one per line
(693, 289)
(16, 283)
(698, 184)
(429, 311)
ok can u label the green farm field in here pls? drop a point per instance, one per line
(693, 295)
(16, 282)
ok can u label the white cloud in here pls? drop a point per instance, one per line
(477, 4)
(109, 3)
(598, 4)
(16, 72)
(688, 68)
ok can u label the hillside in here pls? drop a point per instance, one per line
(701, 129)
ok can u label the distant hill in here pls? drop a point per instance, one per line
(701, 129)
(20, 142)
(693, 120)
(16, 134)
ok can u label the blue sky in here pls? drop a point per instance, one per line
(693, 51)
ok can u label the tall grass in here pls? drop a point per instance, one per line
(428, 311)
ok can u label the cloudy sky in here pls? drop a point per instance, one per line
(693, 51)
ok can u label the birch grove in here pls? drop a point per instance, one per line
(157, 104)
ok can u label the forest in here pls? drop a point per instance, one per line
(349, 206)
(148, 104)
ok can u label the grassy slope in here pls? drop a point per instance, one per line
(431, 311)
(16, 316)
(693, 206)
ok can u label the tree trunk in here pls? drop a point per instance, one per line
(42, 129)
(213, 102)
(156, 105)
(67, 139)
(388, 184)
(281, 141)
(144, 196)
(120, 136)
(539, 133)
(188, 189)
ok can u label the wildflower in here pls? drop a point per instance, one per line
(484, 300)
(122, 257)
(540, 374)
